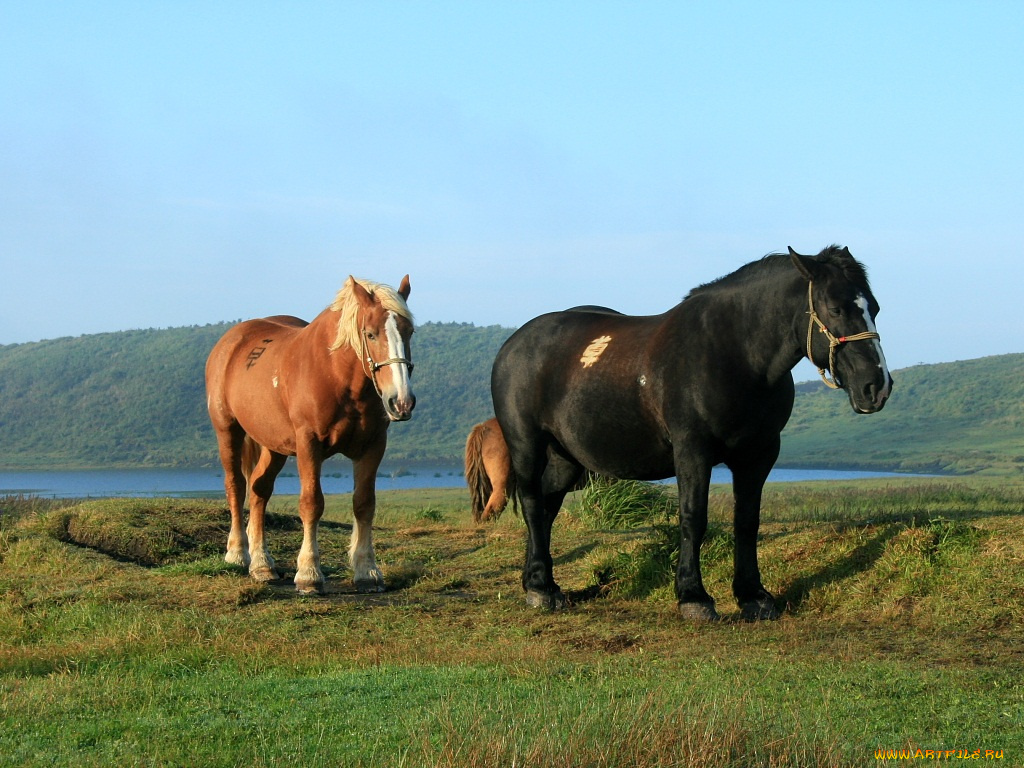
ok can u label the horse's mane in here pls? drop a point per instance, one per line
(346, 304)
(834, 255)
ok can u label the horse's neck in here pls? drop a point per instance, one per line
(765, 329)
(320, 335)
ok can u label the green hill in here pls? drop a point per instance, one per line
(960, 417)
(136, 398)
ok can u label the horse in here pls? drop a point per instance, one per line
(706, 382)
(489, 472)
(279, 387)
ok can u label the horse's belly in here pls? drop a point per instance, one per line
(260, 412)
(634, 452)
(634, 467)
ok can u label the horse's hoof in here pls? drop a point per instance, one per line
(369, 586)
(264, 574)
(553, 601)
(760, 610)
(309, 587)
(698, 611)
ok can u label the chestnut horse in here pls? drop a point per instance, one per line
(280, 387)
(489, 472)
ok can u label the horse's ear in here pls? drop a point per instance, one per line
(359, 293)
(404, 288)
(806, 265)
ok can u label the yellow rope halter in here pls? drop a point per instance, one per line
(833, 341)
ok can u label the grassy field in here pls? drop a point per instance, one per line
(126, 640)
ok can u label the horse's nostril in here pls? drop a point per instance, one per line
(876, 394)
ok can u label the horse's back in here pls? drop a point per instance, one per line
(250, 340)
(242, 370)
(579, 345)
(594, 308)
(582, 378)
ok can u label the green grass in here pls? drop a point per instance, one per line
(606, 502)
(126, 640)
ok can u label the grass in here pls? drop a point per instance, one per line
(125, 639)
(606, 502)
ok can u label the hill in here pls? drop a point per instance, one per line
(959, 418)
(136, 398)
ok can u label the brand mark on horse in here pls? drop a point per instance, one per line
(255, 354)
(594, 350)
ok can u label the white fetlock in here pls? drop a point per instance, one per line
(237, 557)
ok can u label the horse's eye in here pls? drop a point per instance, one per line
(370, 335)
(835, 311)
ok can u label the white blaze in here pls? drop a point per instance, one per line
(864, 307)
(396, 350)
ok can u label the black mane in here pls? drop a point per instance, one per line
(839, 257)
(835, 255)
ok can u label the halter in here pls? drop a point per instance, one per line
(368, 362)
(833, 341)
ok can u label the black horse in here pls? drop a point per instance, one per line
(705, 383)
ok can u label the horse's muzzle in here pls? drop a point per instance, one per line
(400, 409)
(873, 398)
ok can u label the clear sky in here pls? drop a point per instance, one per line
(179, 163)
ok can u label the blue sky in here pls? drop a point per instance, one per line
(180, 163)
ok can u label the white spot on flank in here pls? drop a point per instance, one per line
(594, 350)
(275, 382)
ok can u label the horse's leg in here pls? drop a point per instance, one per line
(693, 475)
(261, 482)
(229, 443)
(549, 481)
(538, 579)
(366, 576)
(496, 503)
(497, 468)
(748, 480)
(309, 579)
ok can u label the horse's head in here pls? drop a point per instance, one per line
(385, 329)
(841, 334)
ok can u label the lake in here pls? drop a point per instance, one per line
(208, 482)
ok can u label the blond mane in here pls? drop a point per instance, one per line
(346, 304)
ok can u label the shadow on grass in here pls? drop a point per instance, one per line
(861, 559)
(574, 554)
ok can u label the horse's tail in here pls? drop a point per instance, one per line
(479, 483)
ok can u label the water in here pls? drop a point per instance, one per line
(337, 478)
